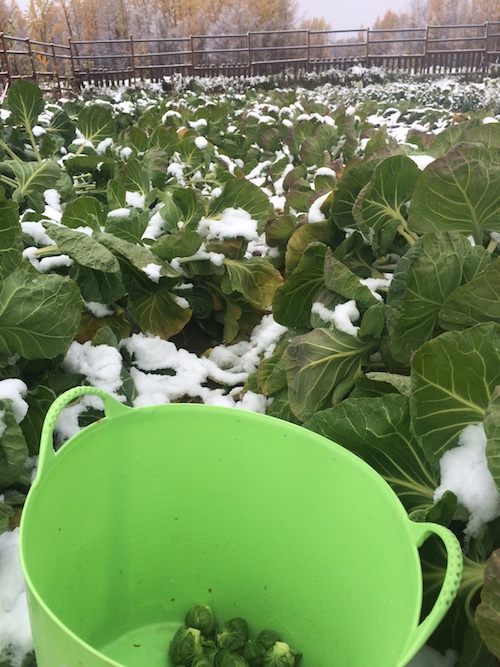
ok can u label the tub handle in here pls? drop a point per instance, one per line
(47, 456)
(453, 576)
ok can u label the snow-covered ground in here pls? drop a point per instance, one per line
(230, 366)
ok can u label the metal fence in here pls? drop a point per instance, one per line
(450, 49)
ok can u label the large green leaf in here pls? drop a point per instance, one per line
(11, 246)
(255, 278)
(293, 301)
(459, 192)
(341, 280)
(181, 244)
(454, 377)
(96, 123)
(424, 279)
(380, 208)
(182, 205)
(25, 100)
(378, 430)
(158, 312)
(33, 178)
(476, 301)
(302, 237)
(13, 447)
(348, 188)
(134, 177)
(321, 368)
(39, 315)
(83, 248)
(96, 285)
(84, 212)
(488, 611)
(139, 256)
(240, 193)
(492, 430)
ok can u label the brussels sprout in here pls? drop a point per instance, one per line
(225, 658)
(202, 617)
(253, 652)
(268, 638)
(204, 661)
(233, 634)
(185, 646)
(281, 655)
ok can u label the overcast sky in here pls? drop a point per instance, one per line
(349, 14)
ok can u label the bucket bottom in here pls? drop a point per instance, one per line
(146, 645)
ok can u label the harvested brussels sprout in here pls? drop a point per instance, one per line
(253, 652)
(199, 644)
(225, 658)
(186, 646)
(233, 634)
(204, 661)
(268, 638)
(281, 655)
(202, 617)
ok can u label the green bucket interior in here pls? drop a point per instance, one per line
(145, 514)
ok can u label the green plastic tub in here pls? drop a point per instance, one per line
(151, 510)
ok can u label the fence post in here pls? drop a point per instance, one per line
(73, 69)
(308, 65)
(32, 59)
(56, 70)
(426, 48)
(193, 59)
(486, 59)
(249, 53)
(367, 51)
(6, 56)
(132, 58)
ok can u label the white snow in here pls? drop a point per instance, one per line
(422, 160)
(341, 317)
(315, 214)
(135, 199)
(233, 222)
(464, 470)
(201, 143)
(153, 271)
(98, 309)
(15, 389)
(430, 657)
(119, 213)
(15, 631)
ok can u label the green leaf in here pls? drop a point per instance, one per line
(33, 178)
(96, 123)
(139, 256)
(84, 212)
(313, 148)
(341, 280)
(25, 100)
(454, 377)
(39, 315)
(425, 277)
(135, 138)
(134, 177)
(97, 286)
(11, 246)
(488, 611)
(348, 189)
(301, 238)
(379, 431)
(83, 248)
(13, 447)
(130, 226)
(476, 301)
(380, 208)
(116, 194)
(255, 278)
(293, 301)
(181, 244)
(492, 430)
(182, 205)
(459, 192)
(321, 368)
(240, 193)
(6, 512)
(157, 312)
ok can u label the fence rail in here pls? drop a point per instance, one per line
(446, 49)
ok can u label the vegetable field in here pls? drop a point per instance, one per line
(326, 254)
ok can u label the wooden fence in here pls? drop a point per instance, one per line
(432, 49)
